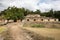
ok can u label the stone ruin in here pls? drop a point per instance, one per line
(38, 18)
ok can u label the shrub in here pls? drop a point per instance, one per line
(37, 25)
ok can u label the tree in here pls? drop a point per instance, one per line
(13, 13)
(37, 12)
(57, 14)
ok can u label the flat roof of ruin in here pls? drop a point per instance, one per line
(38, 16)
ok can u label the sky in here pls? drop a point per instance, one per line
(42, 5)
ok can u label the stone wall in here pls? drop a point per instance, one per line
(40, 20)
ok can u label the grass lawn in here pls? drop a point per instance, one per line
(47, 32)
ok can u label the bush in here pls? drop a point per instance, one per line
(37, 25)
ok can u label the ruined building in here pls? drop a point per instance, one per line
(38, 18)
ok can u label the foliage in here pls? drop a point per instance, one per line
(13, 13)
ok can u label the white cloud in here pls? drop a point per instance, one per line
(49, 4)
(32, 4)
(45, 7)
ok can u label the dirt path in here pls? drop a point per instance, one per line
(17, 33)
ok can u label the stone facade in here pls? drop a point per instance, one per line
(38, 18)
